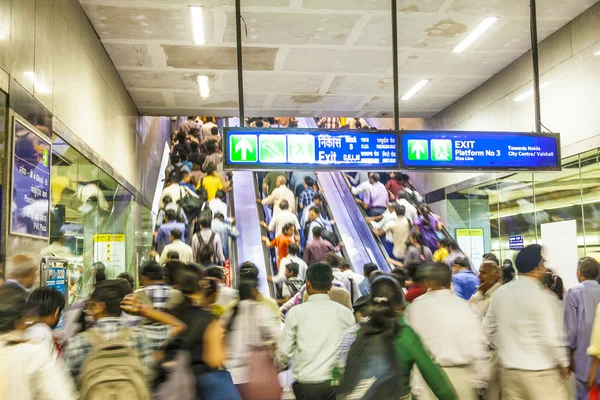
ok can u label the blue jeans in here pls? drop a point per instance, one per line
(216, 385)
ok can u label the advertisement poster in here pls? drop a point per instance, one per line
(56, 278)
(109, 249)
(31, 183)
(471, 243)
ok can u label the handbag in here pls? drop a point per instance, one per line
(593, 393)
(263, 382)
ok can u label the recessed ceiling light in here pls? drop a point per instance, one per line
(596, 53)
(203, 86)
(197, 14)
(38, 86)
(529, 93)
(415, 89)
(473, 36)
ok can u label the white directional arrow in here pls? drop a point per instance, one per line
(245, 146)
(418, 150)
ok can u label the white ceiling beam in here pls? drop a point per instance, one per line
(280, 58)
(357, 30)
(268, 101)
(326, 85)
(169, 99)
(364, 102)
(445, 6)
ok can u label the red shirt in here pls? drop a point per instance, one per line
(281, 242)
(416, 290)
(395, 187)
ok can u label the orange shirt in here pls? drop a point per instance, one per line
(281, 242)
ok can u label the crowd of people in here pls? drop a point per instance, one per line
(435, 326)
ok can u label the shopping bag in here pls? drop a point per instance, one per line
(593, 393)
(264, 382)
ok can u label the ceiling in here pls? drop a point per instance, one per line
(313, 57)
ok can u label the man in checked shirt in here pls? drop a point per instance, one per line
(106, 305)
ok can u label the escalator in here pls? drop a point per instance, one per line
(360, 245)
(248, 217)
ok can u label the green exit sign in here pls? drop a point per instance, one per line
(243, 148)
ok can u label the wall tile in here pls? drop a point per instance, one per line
(22, 42)
(5, 33)
(44, 52)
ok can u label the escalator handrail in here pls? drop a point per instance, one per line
(381, 263)
(232, 243)
(364, 214)
(335, 228)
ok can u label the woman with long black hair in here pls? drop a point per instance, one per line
(417, 252)
(251, 329)
(383, 349)
(204, 335)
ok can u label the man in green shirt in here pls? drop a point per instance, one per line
(269, 182)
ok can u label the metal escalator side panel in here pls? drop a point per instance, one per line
(249, 243)
(360, 225)
(357, 251)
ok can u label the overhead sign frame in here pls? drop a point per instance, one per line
(273, 161)
(446, 136)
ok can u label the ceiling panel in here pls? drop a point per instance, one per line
(291, 28)
(313, 57)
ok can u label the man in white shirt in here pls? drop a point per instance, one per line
(183, 249)
(312, 333)
(489, 276)
(26, 368)
(44, 308)
(188, 124)
(398, 230)
(281, 219)
(522, 324)
(292, 257)
(281, 192)
(218, 205)
(381, 221)
(225, 230)
(411, 211)
(211, 239)
(452, 332)
(314, 216)
(226, 293)
(360, 183)
(351, 280)
(318, 201)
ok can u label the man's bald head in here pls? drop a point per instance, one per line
(281, 180)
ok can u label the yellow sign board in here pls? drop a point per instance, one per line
(107, 237)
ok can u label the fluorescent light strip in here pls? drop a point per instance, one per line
(38, 86)
(473, 36)
(415, 89)
(197, 14)
(529, 93)
(203, 86)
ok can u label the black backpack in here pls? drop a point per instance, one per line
(372, 371)
(206, 252)
(293, 285)
(190, 204)
(329, 236)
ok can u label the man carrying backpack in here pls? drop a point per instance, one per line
(114, 361)
(207, 246)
